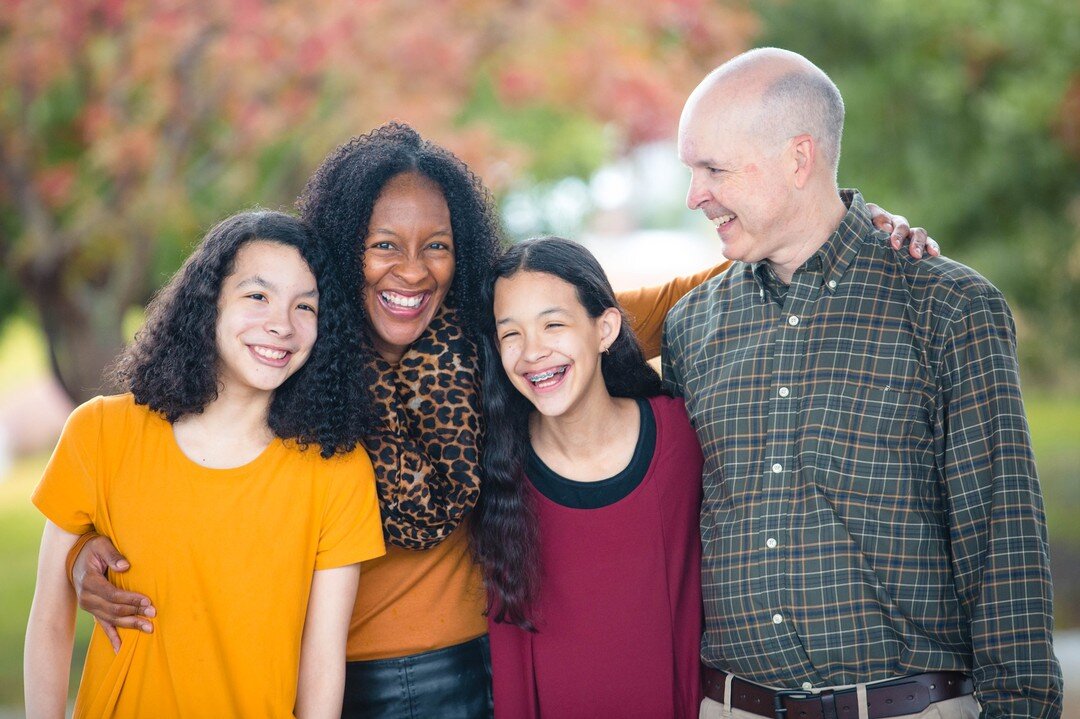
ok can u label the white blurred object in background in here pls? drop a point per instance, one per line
(31, 418)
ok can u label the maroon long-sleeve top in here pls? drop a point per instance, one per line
(619, 612)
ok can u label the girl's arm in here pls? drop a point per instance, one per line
(321, 686)
(50, 629)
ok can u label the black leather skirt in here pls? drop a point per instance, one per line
(450, 683)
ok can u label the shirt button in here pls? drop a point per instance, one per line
(793, 320)
(777, 468)
(777, 619)
(770, 543)
(832, 286)
(807, 686)
(784, 391)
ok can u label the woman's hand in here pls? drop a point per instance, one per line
(901, 230)
(111, 607)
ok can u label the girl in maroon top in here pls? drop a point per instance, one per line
(587, 526)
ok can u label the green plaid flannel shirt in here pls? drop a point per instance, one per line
(871, 504)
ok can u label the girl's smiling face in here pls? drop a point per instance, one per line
(549, 345)
(267, 318)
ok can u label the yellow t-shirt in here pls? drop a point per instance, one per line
(226, 554)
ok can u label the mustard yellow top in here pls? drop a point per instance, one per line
(227, 554)
(416, 601)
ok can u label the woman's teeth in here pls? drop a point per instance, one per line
(723, 220)
(269, 353)
(393, 298)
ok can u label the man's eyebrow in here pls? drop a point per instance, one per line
(706, 162)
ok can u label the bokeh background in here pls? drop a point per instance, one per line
(128, 127)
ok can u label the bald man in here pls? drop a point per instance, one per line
(873, 529)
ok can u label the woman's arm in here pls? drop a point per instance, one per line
(648, 306)
(90, 561)
(321, 685)
(51, 628)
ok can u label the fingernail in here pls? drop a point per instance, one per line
(918, 252)
(150, 612)
(122, 564)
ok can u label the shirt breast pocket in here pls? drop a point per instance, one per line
(865, 439)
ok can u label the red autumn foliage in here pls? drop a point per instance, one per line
(128, 126)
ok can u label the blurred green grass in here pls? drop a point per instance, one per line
(1055, 432)
(23, 359)
(1054, 419)
(22, 354)
(20, 535)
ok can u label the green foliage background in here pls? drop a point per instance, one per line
(956, 117)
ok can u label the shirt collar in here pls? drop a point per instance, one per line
(840, 249)
(836, 254)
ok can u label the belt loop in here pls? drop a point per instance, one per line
(727, 691)
(860, 692)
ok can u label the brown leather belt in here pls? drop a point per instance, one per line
(896, 697)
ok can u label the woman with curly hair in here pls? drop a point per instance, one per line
(587, 525)
(414, 232)
(248, 360)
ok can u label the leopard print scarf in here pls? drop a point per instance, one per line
(426, 451)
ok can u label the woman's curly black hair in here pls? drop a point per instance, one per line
(172, 366)
(504, 532)
(340, 195)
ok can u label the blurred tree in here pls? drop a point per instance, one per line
(965, 115)
(129, 126)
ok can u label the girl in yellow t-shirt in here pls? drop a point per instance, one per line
(248, 540)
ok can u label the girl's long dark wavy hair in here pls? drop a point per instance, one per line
(504, 529)
(172, 366)
(340, 195)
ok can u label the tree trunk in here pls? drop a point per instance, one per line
(83, 340)
(82, 317)
(80, 354)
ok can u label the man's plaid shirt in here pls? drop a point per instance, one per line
(871, 504)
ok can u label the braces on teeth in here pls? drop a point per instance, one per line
(547, 375)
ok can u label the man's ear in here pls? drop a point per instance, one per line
(804, 153)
